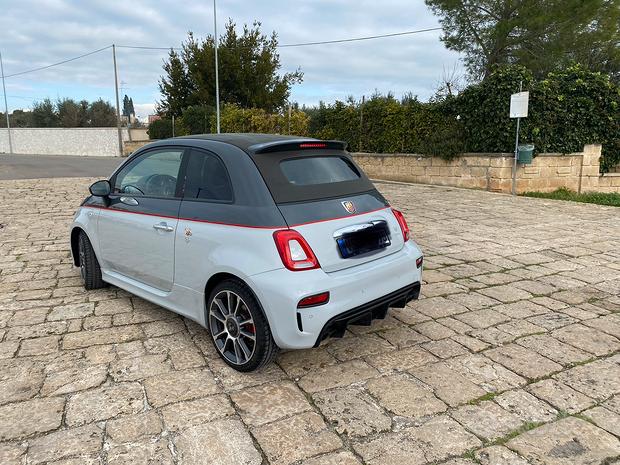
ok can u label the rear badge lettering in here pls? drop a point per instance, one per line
(349, 206)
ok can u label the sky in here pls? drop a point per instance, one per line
(35, 33)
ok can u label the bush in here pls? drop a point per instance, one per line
(446, 141)
(236, 119)
(196, 119)
(162, 128)
(232, 119)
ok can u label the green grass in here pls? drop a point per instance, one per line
(599, 198)
(487, 396)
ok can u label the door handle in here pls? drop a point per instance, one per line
(163, 226)
(129, 201)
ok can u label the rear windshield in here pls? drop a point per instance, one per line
(298, 177)
(318, 170)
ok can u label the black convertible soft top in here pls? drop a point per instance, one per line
(269, 151)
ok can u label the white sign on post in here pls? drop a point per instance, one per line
(519, 104)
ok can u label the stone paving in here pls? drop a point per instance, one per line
(512, 356)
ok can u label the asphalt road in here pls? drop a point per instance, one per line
(55, 166)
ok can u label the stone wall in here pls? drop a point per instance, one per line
(131, 146)
(493, 171)
(63, 141)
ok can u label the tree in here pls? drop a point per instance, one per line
(101, 114)
(542, 35)
(249, 76)
(125, 111)
(176, 87)
(128, 110)
(71, 114)
(20, 119)
(44, 114)
(85, 112)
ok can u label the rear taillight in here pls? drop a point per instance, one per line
(314, 300)
(402, 223)
(294, 251)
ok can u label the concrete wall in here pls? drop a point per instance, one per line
(138, 134)
(493, 171)
(63, 141)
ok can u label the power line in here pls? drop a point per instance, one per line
(58, 63)
(339, 41)
(140, 47)
(304, 44)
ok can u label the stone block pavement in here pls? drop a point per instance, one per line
(512, 356)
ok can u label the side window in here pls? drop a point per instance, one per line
(207, 178)
(152, 174)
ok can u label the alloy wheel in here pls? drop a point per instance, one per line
(232, 327)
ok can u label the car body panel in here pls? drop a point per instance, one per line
(131, 245)
(321, 235)
(281, 290)
(205, 249)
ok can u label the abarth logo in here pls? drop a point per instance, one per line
(349, 206)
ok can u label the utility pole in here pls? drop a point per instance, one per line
(118, 107)
(217, 77)
(6, 107)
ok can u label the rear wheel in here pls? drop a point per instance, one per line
(238, 327)
(89, 266)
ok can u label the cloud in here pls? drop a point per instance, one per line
(40, 32)
(143, 110)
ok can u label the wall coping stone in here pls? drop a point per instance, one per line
(464, 155)
(124, 128)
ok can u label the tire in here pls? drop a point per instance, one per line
(89, 266)
(241, 336)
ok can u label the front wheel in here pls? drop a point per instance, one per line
(90, 271)
(238, 327)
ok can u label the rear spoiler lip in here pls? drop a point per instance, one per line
(288, 145)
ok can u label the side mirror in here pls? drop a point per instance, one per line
(100, 188)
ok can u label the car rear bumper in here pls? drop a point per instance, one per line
(364, 314)
(357, 295)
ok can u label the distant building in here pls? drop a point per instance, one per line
(131, 120)
(154, 118)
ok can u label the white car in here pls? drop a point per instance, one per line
(267, 241)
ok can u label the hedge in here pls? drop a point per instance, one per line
(202, 119)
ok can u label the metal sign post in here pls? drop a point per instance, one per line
(6, 107)
(518, 109)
